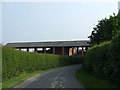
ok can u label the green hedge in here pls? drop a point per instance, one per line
(15, 62)
(76, 59)
(103, 60)
(95, 59)
(114, 59)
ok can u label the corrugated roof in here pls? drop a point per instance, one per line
(50, 44)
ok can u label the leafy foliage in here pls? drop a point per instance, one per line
(114, 59)
(95, 59)
(15, 62)
(103, 60)
(77, 59)
(105, 30)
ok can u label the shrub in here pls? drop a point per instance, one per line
(76, 59)
(95, 59)
(114, 59)
(105, 29)
(15, 62)
(103, 60)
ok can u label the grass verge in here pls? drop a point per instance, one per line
(17, 80)
(89, 81)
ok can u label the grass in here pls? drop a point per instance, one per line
(89, 81)
(11, 83)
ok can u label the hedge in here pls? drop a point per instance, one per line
(15, 62)
(95, 59)
(114, 59)
(76, 59)
(103, 60)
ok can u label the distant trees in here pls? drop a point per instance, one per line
(105, 29)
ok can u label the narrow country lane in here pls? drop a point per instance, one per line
(59, 78)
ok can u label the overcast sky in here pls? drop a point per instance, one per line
(46, 21)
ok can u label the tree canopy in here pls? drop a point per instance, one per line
(105, 29)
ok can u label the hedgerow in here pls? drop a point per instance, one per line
(77, 59)
(15, 62)
(114, 59)
(103, 60)
(95, 59)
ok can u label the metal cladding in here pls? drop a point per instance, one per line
(50, 44)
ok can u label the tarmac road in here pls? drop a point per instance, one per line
(59, 78)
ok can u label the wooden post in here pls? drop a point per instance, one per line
(44, 50)
(53, 50)
(27, 49)
(72, 50)
(62, 50)
(82, 52)
(35, 49)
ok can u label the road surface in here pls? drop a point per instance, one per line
(59, 78)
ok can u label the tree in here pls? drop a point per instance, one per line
(105, 29)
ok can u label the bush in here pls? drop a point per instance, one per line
(114, 59)
(95, 59)
(15, 62)
(76, 59)
(103, 60)
(105, 29)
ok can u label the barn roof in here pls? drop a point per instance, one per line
(50, 44)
